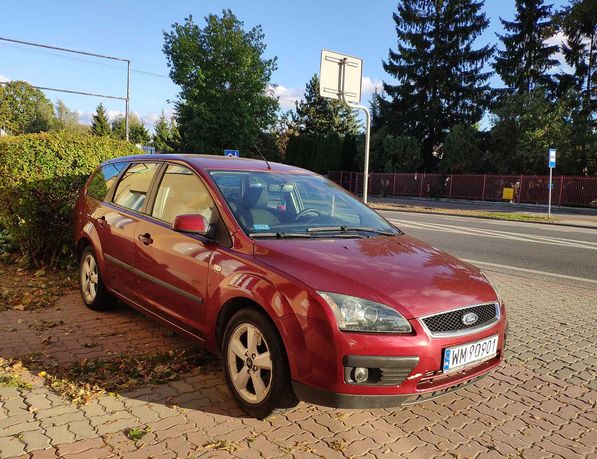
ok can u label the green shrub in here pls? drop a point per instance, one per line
(40, 178)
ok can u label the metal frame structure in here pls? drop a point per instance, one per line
(101, 56)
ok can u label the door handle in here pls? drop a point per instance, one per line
(146, 238)
(102, 221)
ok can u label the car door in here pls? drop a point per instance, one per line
(116, 223)
(173, 267)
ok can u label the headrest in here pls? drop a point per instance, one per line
(252, 195)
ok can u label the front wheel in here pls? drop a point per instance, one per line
(255, 364)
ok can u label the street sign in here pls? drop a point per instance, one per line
(232, 153)
(552, 165)
(552, 157)
(340, 76)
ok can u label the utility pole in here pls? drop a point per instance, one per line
(128, 99)
(85, 53)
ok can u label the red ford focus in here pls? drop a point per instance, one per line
(304, 291)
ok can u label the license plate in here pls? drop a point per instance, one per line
(459, 357)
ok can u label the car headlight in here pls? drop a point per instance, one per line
(358, 314)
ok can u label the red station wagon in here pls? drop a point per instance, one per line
(304, 291)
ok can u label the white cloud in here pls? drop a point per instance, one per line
(371, 84)
(559, 39)
(286, 96)
(4, 79)
(84, 117)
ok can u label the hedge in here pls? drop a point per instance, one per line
(40, 178)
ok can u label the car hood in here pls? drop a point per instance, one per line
(400, 271)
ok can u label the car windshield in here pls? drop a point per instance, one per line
(271, 204)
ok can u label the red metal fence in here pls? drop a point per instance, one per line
(567, 190)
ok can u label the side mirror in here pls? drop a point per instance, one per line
(191, 223)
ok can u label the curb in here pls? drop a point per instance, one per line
(485, 217)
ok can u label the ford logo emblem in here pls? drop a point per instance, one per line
(470, 318)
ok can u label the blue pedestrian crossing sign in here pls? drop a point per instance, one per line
(552, 158)
(233, 153)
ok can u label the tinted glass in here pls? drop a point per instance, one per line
(103, 180)
(182, 192)
(270, 202)
(134, 185)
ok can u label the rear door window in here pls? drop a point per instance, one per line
(133, 188)
(103, 179)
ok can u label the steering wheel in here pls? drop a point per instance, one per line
(304, 212)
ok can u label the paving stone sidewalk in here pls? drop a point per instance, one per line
(540, 403)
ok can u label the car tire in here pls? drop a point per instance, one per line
(255, 364)
(92, 288)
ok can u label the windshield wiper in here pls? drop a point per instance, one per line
(280, 235)
(344, 229)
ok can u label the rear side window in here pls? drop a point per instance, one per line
(103, 179)
(132, 189)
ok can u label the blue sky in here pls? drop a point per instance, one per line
(295, 32)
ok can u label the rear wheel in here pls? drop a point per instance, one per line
(255, 364)
(93, 291)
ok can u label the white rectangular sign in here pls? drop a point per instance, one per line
(340, 74)
(552, 158)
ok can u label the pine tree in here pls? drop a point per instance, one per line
(320, 116)
(162, 137)
(138, 133)
(100, 125)
(525, 62)
(579, 25)
(439, 72)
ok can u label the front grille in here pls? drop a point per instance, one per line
(451, 322)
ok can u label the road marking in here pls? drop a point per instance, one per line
(531, 271)
(494, 222)
(482, 232)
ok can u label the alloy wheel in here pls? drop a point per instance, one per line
(89, 278)
(250, 363)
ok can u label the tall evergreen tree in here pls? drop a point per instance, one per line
(138, 133)
(526, 59)
(320, 116)
(162, 138)
(100, 125)
(439, 71)
(579, 26)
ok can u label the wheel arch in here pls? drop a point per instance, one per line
(81, 245)
(231, 307)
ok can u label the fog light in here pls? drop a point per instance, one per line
(361, 374)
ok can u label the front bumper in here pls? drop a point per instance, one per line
(411, 365)
(317, 396)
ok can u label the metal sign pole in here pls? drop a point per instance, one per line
(550, 187)
(367, 129)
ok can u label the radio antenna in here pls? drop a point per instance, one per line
(263, 157)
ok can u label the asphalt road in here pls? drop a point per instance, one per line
(564, 254)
